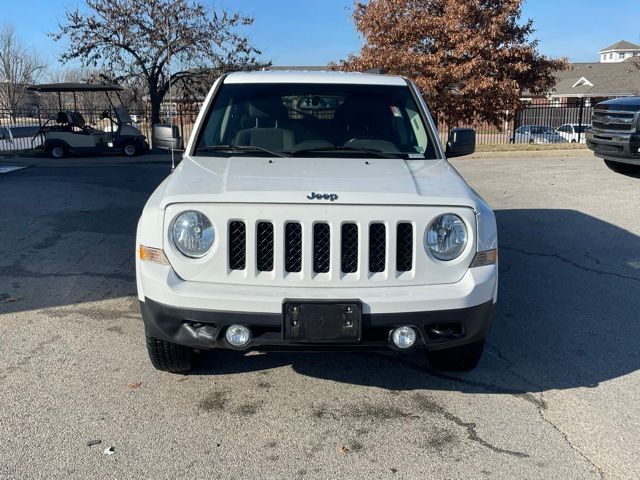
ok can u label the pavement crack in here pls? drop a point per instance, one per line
(571, 262)
(428, 405)
(594, 466)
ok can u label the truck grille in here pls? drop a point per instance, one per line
(614, 121)
(351, 258)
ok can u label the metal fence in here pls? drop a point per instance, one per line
(548, 114)
(545, 114)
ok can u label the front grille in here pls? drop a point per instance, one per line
(321, 247)
(293, 247)
(237, 245)
(614, 121)
(264, 247)
(281, 248)
(349, 247)
(404, 247)
(377, 247)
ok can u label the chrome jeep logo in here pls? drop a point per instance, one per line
(322, 196)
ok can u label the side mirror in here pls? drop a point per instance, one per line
(462, 141)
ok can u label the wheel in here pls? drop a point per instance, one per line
(57, 151)
(573, 141)
(129, 149)
(623, 168)
(457, 359)
(169, 357)
(530, 141)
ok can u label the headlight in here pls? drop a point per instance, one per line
(446, 237)
(192, 234)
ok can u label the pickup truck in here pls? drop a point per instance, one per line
(317, 211)
(615, 134)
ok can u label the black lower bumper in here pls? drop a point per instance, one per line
(205, 329)
(624, 148)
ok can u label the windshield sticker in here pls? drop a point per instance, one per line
(416, 155)
(396, 111)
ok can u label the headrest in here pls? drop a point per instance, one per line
(267, 107)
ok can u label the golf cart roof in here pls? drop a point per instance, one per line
(74, 87)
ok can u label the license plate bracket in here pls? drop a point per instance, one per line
(322, 321)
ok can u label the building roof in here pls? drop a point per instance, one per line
(598, 80)
(621, 45)
(297, 76)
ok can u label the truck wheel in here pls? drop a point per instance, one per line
(169, 357)
(457, 359)
(623, 168)
(129, 149)
(57, 151)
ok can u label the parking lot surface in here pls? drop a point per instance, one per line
(555, 396)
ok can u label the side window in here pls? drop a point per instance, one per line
(4, 134)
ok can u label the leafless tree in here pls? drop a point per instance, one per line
(19, 67)
(137, 38)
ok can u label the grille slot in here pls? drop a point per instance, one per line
(264, 247)
(237, 245)
(293, 247)
(349, 248)
(377, 247)
(404, 247)
(321, 247)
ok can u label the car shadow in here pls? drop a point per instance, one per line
(567, 317)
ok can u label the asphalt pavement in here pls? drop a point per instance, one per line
(555, 396)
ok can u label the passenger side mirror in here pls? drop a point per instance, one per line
(462, 141)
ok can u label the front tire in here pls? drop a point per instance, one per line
(129, 149)
(169, 357)
(57, 151)
(457, 359)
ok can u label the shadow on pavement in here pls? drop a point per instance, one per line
(567, 317)
(568, 302)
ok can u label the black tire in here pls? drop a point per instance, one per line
(623, 168)
(57, 150)
(169, 357)
(457, 359)
(130, 149)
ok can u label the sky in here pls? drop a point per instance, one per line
(315, 32)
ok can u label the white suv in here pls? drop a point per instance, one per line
(314, 210)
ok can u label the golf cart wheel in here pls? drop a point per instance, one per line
(457, 359)
(57, 151)
(573, 141)
(169, 357)
(129, 149)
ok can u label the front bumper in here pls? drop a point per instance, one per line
(623, 148)
(196, 314)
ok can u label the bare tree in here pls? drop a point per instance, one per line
(137, 38)
(19, 67)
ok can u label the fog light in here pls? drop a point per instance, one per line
(238, 335)
(403, 337)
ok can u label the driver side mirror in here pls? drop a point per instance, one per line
(462, 141)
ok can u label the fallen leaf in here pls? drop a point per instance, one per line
(134, 385)
(91, 443)
(109, 451)
(343, 449)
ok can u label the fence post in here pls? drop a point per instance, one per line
(580, 118)
(515, 125)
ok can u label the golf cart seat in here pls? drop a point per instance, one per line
(75, 119)
(61, 118)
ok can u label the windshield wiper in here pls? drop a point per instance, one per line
(371, 151)
(239, 148)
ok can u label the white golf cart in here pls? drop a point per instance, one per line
(68, 132)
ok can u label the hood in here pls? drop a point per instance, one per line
(350, 181)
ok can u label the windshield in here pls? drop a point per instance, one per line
(315, 120)
(536, 130)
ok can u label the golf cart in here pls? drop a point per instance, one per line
(68, 133)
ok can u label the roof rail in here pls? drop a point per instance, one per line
(376, 71)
